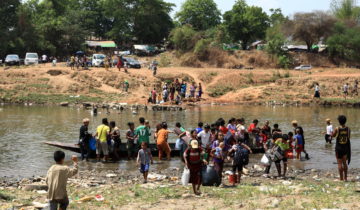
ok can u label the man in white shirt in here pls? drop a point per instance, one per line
(44, 58)
(204, 137)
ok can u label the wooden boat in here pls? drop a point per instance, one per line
(123, 150)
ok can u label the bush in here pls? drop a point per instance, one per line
(201, 48)
(184, 38)
(284, 61)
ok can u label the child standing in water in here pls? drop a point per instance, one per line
(299, 144)
(131, 138)
(329, 131)
(343, 147)
(144, 159)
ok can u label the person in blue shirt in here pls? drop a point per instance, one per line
(183, 89)
(200, 127)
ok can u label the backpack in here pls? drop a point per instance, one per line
(241, 156)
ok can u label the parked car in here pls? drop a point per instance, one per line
(98, 60)
(303, 67)
(132, 63)
(31, 58)
(12, 59)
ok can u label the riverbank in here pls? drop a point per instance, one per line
(309, 189)
(44, 84)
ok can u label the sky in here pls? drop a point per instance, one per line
(289, 7)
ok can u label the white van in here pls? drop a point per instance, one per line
(31, 58)
(98, 60)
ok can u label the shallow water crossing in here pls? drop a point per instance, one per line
(24, 129)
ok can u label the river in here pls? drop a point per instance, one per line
(23, 129)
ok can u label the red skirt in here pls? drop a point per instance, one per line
(195, 173)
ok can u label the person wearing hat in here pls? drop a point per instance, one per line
(194, 162)
(297, 127)
(84, 139)
(329, 131)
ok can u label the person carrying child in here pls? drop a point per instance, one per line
(56, 180)
(144, 159)
(219, 156)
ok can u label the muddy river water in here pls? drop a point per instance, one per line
(24, 129)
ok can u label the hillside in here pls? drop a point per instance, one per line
(47, 84)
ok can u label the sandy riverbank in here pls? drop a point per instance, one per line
(303, 189)
(44, 84)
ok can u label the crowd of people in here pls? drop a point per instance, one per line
(207, 144)
(175, 92)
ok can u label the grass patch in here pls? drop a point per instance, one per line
(341, 100)
(208, 77)
(40, 86)
(250, 78)
(44, 79)
(218, 91)
(164, 61)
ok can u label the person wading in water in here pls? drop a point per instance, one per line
(297, 127)
(343, 147)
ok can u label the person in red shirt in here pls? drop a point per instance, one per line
(194, 162)
(263, 137)
(223, 129)
(253, 127)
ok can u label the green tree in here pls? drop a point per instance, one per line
(28, 38)
(152, 22)
(277, 17)
(94, 20)
(200, 14)
(143, 21)
(184, 38)
(346, 10)
(8, 21)
(246, 23)
(345, 42)
(275, 41)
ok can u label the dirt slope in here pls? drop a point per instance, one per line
(47, 84)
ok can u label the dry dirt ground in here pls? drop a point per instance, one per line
(47, 84)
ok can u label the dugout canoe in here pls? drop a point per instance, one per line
(123, 152)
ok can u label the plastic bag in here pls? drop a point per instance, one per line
(185, 177)
(210, 177)
(265, 160)
(178, 143)
(92, 144)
